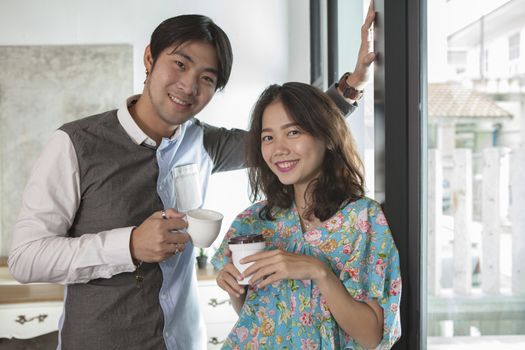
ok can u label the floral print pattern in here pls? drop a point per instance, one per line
(292, 314)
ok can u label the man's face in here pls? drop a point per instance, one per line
(182, 81)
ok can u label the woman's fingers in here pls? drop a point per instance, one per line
(262, 259)
(269, 280)
(274, 271)
(226, 280)
(261, 255)
(279, 265)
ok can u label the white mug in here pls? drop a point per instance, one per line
(204, 226)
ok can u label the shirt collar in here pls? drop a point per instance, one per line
(132, 129)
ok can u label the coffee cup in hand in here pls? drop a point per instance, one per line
(204, 226)
(243, 246)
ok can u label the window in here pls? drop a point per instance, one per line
(454, 204)
(514, 46)
(486, 60)
(475, 202)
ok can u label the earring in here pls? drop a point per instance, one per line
(147, 74)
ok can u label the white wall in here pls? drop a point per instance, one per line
(269, 39)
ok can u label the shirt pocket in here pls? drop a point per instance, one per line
(188, 193)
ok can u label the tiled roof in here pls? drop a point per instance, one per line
(451, 100)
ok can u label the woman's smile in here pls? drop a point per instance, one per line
(286, 166)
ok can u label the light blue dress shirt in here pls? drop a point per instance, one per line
(186, 161)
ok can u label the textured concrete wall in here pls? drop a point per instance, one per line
(42, 87)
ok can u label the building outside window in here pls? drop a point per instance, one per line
(476, 122)
(514, 46)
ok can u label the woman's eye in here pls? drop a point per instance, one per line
(293, 132)
(266, 138)
(179, 64)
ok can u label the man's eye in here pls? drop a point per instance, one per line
(209, 80)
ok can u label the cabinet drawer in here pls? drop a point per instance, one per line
(217, 333)
(216, 305)
(29, 320)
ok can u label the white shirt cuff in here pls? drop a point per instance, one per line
(116, 246)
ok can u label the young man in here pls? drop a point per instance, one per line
(92, 215)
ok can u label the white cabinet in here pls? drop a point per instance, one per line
(218, 312)
(28, 320)
(27, 311)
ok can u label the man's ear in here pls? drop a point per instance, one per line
(148, 59)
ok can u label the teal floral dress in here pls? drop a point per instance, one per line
(292, 314)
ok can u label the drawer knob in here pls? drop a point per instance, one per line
(214, 302)
(23, 319)
(215, 341)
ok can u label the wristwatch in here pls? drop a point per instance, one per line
(348, 91)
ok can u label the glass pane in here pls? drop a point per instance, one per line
(351, 15)
(476, 158)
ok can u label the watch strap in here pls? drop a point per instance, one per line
(348, 91)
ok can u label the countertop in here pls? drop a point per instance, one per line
(13, 292)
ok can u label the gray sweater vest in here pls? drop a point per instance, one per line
(118, 189)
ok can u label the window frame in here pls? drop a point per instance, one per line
(400, 112)
(400, 39)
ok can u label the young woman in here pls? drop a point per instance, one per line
(329, 278)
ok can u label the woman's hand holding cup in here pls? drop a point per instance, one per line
(244, 246)
(228, 278)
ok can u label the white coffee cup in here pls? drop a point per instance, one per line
(243, 246)
(204, 226)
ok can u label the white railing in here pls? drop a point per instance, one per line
(476, 268)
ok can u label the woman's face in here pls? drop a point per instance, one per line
(291, 153)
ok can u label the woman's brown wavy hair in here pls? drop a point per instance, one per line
(341, 180)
